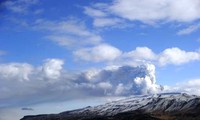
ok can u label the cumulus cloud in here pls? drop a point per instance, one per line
(155, 10)
(147, 12)
(177, 56)
(141, 53)
(21, 86)
(138, 56)
(15, 71)
(174, 56)
(22, 79)
(52, 68)
(23, 83)
(99, 53)
(127, 80)
(23, 71)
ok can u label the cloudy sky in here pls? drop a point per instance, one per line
(56, 56)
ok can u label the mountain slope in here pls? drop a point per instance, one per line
(149, 107)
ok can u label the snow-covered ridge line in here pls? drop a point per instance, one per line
(163, 102)
(172, 104)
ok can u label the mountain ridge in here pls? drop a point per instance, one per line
(153, 107)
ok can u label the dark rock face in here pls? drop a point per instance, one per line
(135, 115)
(153, 107)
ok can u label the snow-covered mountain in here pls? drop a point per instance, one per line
(156, 106)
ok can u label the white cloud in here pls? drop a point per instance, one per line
(138, 56)
(168, 56)
(15, 71)
(190, 86)
(141, 53)
(145, 85)
(24, 72)
(68, 33)
(155, 10)
(177, 56)
(24, 84)
(52, 68)
(90, 74)
(148, 83)
(99, 53)
(20, 80)
(189, 30)
(125, 79)
(149, 11)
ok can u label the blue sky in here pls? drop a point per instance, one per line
(50, 48)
